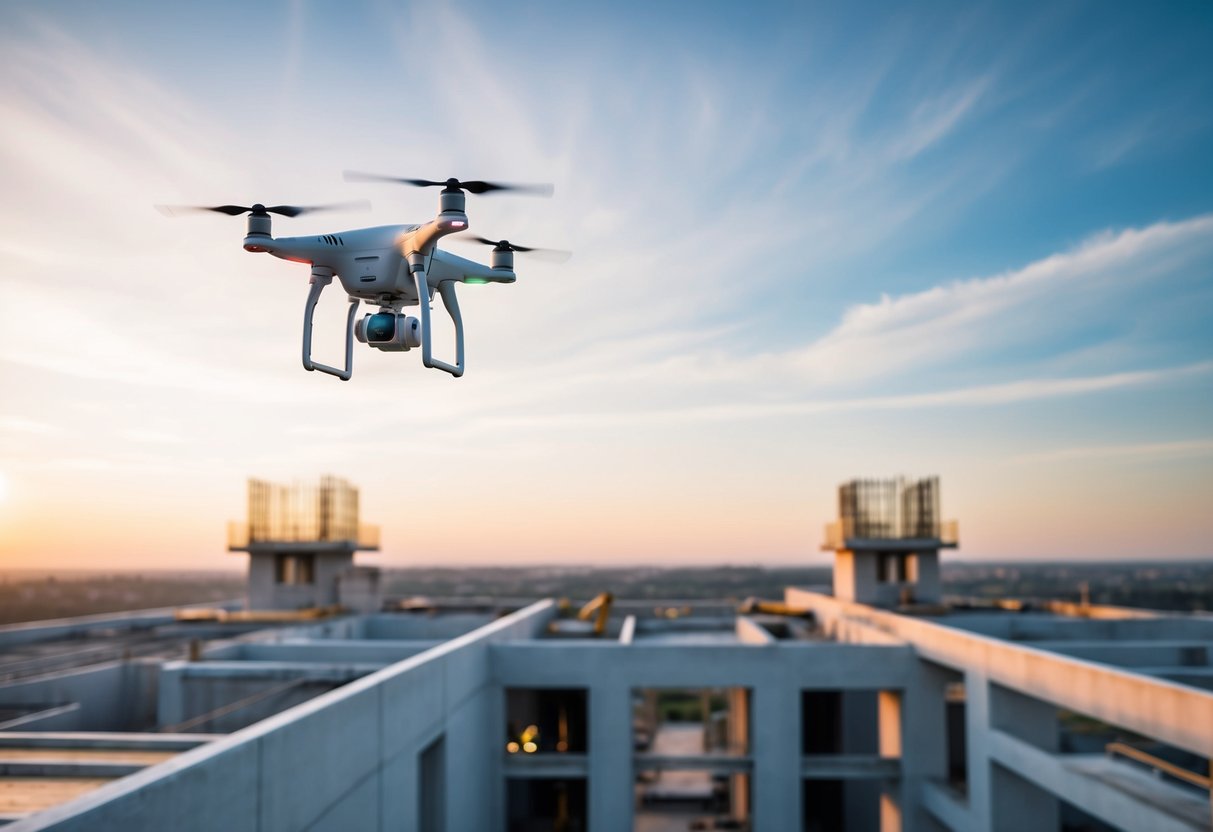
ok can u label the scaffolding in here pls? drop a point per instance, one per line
(302, 513)
(890, 509)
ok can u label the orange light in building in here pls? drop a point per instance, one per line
(529, 747)
(511, 747)
(562, 746)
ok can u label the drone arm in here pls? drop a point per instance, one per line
(447, 290)
(322, 277)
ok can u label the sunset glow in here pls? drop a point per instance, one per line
(808, 246)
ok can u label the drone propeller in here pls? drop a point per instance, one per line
(259, 210)
(549, 254)
(472, 186)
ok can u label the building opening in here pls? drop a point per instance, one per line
(546, 721)
(431, 788)
(692, 760)
(295, 570)
(546, 805)
(853, 805)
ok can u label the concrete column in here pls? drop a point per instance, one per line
(775, 745)
(890, 811)
(739, 743)
(611, 794)
(977, 730)
(170, 698)
(888, 709)
(1018, 804)
(924, 732)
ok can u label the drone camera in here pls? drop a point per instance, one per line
(389, 331)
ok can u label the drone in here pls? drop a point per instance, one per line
(392, 266)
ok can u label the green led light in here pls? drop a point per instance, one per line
(475, 280)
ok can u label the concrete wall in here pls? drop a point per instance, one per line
(30, 632)
(344, 760)
(265, 593)
(414, 626)
(359, 651)
(775, 673)
(1014, 778)
(117, 696)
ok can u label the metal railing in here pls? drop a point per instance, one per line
(835, 536)
(1159, 765)
(949, 532)
(239, 536)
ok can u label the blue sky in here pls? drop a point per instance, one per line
(810, 243)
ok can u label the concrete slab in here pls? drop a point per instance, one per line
(23, 795)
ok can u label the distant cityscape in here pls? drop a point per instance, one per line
(1186, 586)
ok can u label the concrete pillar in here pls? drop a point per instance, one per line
(924, 740)
(888, 709)
(977, 725)
(1018, 804)
(739, 743)
(844, 575)
(775, 743)
(611, 794)
(170, 698)
(890, 811)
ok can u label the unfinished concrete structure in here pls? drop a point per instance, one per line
(840, 715)
(301, 541)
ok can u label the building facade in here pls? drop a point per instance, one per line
(863, 708)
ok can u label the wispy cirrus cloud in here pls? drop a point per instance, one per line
(1185, 448)
(1015, 392)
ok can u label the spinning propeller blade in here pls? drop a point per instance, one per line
(258, 208)
(550, 254)
(472, 186)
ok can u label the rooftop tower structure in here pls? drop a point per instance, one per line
(301, 541)
(886, 542)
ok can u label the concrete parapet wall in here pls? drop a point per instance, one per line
(32, 632)
(1175, 714)
(111, 696)
(344, 760)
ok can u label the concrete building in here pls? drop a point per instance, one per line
(301, 541)
(869, 708)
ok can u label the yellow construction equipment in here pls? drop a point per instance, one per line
(222, 616)
(757, 605)
(601, 604)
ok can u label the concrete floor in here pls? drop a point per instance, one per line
(675, 798)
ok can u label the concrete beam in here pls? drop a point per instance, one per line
(714, 763)
(849, 767)
(1176, 714)
(554, 664)
(1155, 805)
(102, 739)
(546, 765)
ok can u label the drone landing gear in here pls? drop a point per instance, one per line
(322, 277)
(447, 290)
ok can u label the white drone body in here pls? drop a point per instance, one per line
(393, 266)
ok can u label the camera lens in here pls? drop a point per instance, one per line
(381, 327)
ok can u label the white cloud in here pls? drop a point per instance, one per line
(1147, 450)
(1108, 279)
(977, 396)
